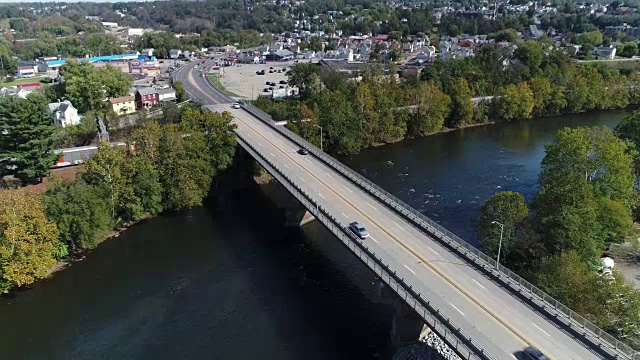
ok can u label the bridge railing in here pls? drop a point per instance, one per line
(554, 308)
(459, 341)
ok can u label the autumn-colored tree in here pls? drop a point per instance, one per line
(28, 241)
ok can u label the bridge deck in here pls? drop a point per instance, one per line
(499, 321)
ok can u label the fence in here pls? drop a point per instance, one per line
(554, 308)
(452, 334)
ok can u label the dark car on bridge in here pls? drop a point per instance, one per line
(303, 151)
(358, 229)
(532, 353)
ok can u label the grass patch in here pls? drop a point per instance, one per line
(218, 85)
(22, 81)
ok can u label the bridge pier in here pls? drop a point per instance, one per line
(297, 217)
(407, 327)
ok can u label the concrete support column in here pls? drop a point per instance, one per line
(407, 326)
(297, 217)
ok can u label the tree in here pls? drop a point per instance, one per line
(26, 138)
(106, 169)
(316, 43)
(530, 54)
(181, 94)
(305, 76)
(28, 241)
(580, 167)
(79, 211)
(593, 38)
(461, 107)
(508, 35)
(219, 134)
(432, 109)
(515, 102)
(629, 49)
(507, 208)
(87, 87)
(186, 170)
(146, 140)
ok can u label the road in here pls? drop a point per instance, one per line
(500, 322)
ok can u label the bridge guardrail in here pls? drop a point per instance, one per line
(437, 320)
(513, 281)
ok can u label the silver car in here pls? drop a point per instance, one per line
(358, 229)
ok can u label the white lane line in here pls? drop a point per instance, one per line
(408, 268)
(322, 196)
(546, 333)
(249, 135)
(329, 175)
(345, 215)
(347, 188)
(272, 154)
(457, 309)
(374, 240)
(301, 179)
(280, 141)
(285, 165)
(398, 225)
(435, 252)
(373, 207)
(309, 161)
(259, 144)
(474, 280)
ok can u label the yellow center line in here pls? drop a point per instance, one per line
(485, 308)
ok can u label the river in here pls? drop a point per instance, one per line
(228, 281)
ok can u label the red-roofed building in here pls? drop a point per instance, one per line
(32, 86)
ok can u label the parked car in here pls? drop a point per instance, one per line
(532, 353)
(279, 71)
(283, 81)
(281, 86)
(270, 71)
(265, 90)
(303, 151)
(358, 229)
(268, 82)
(271, 67)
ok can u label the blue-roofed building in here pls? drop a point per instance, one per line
(56, 64)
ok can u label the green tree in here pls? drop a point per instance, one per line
(506, 208)
(88, 87)
(28, 241)
(593, 38)
(530, 53)
(181, 94)
(105, 169)
(515, 102)
(186, 170)
(316, 43)
(432, 109)
(629, 49)
(461, 107)
(26, 138)
(219, 134)
(306, 77)
(80, 213)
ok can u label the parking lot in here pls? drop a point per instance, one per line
(242, 80)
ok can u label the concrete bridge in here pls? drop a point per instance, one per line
(480, 311)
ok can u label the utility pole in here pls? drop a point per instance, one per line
(500, 245)
(320, 136)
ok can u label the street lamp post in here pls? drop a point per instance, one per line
(320, 137)
(500, 245)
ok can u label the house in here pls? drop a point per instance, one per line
(280, 55)
(63, 113)
(174, 53)
(27, 71)
(407, 47)
(13, 91)
(123, 105)
(168, 94)
(29, 88)
(608, 52)
(146, 98)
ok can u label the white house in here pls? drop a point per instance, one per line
(64, 113)
(167, 94)
(608, 52)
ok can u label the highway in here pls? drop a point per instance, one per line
(500, 322)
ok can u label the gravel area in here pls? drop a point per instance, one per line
(431, 348)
